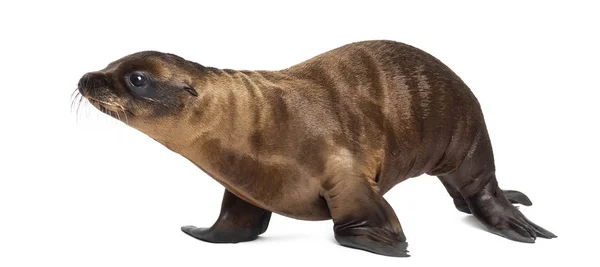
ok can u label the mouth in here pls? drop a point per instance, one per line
(114, 110)
(104, 106)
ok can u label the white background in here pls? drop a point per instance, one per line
(94, 192)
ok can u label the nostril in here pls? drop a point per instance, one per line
(92, 80)
(84, 80)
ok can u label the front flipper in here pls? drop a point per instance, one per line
(362, 218)
(239, 221)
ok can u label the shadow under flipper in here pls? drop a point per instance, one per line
(473, 222)
(279, 238)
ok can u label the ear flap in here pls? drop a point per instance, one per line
(190, 90)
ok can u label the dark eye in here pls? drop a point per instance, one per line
(137, 79)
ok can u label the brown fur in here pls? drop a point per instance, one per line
(374, 109)
(323, 139)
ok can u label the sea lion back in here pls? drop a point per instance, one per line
(397, 103)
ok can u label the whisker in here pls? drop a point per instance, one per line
(101, 107)
(84, 107)
(73, 96)
(90, 108)
(74, 101)
(82, 101)
(87, 108)
(126, 119)
(124, 113)
(74, 91)
(77, 109)
(118, 117)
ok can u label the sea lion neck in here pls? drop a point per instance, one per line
(230, 126)
(233, 107)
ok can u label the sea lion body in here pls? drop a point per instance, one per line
(323, 139)
(389, 107)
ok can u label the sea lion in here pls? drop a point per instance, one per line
(323, 139)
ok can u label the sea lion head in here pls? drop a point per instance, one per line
(149, 90)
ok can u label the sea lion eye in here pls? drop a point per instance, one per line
(137, 79)
(140, 84)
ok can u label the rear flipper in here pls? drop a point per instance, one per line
(500, 217)
(474, 188)
(517, 197)
(513, 196)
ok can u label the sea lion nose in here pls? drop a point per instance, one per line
(91, 81)
(84, 80)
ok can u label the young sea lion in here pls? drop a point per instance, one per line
(323, 139)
